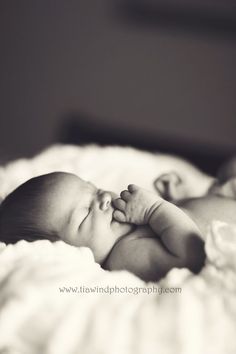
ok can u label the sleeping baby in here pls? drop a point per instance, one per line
(139, 231)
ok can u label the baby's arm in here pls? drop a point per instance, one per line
(142, 255)
(177, 231)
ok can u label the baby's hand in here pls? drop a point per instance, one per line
(136, 205)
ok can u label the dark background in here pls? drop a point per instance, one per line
(159, 75)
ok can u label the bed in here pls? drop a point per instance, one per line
(54, 298)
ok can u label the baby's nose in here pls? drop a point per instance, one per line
(104, 200)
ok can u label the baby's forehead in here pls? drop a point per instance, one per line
(69, 181)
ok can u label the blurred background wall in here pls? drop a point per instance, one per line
(159, 71)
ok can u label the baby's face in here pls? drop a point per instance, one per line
(82, 215)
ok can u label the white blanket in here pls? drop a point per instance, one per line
(55, 299)
(112, 168)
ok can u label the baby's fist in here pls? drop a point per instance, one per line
(135, 205)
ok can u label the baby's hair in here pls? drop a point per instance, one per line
(22, 211)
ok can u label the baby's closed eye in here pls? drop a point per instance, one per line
(85, 213)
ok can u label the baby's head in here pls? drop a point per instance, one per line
(61, 206)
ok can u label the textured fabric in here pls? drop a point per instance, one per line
(36, 317)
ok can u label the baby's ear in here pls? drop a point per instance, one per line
(227, 170)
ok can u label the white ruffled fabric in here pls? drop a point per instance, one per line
(37, 317)
(111, 168)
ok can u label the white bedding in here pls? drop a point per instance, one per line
(36, 317)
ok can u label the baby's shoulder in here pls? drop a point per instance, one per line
(127, 243)
(129, 248)
(141, 254)
(138, 233)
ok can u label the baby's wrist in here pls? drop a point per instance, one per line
(154, 210)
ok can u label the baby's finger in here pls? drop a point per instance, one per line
(132, 188)
(119, 204)
(119, 216)
(125, 195)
